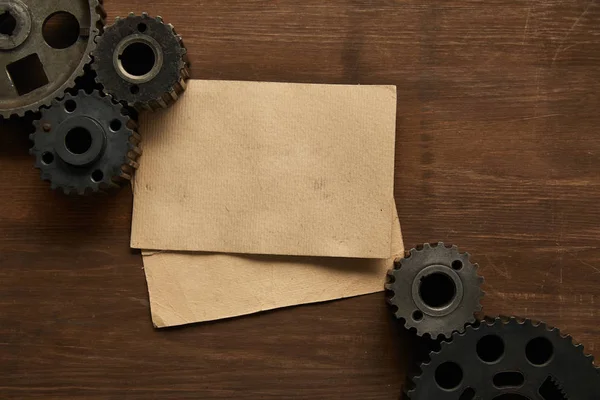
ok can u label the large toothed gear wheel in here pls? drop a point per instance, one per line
(44, 47)
(504, 359)
(141, 61)
(85, 143)
(435, 290)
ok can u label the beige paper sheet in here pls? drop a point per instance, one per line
(266, 168)
(191, 287)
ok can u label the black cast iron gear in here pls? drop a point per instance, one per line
(141, 61)
(435, 290)
(85, 143)
(44, 47)
(507, 358)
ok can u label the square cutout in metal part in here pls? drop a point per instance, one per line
(27, 74)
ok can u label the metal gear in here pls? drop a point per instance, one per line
(44, 47)
(142, 61)
(85, 143)
(435, 289)
(507, 358)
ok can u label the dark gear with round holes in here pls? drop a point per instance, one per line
(507, 358)
(435, 290)
(141, 61)
(44, 47)
(85, 143)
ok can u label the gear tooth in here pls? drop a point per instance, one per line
(144, 14)
(131, 14)
(426, 246)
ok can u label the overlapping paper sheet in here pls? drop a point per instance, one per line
(252, 196)
(269, 168)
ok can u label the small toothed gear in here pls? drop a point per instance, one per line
(43, 49)
(507, 358)
(85, 143)
(141, 61)
(435, 290)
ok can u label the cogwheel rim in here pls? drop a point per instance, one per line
(155, 92)
(411, 278)
(97, 21)
(110, 158)
(566, 370)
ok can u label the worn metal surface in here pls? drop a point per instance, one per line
(507, 358)
(36, 82)
(85, 143)
(144, 81)
(435, 290)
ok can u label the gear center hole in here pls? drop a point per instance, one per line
(437, 290)
(78, 140)
(8, 23)
(138, 59)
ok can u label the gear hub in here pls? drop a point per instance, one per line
(435, 290)
(85, 143)
(142, 61)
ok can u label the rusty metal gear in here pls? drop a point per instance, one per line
(85, 143)
(507, 358)
(44, 47)
(435, 290)
(141, 61)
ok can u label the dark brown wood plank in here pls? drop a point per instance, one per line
(498, 151)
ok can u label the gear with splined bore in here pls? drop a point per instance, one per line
(141, 61)
(85, 143)
(507, 359)
(435, 290)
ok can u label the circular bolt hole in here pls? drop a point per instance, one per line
(490, 348)
(448, 375)
(142, 27)
(417, 315)
(138, 59)
(97, 175)
(115, 125)
(78, 140)
(8, 23)
(457, 265)
(437, 290)
(135, 89)
(47, 158)
(539, 351)
(47, 127)
(60, 30)
(70, 105)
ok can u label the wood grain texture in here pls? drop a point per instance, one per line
(498, 151)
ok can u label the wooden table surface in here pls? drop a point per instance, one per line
(498, 151)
